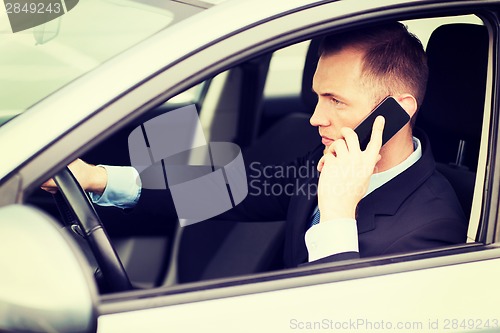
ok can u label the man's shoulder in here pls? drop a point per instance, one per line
(435, 209)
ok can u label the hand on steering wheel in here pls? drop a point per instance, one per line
(93, 231)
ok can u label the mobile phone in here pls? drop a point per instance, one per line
(395, 118)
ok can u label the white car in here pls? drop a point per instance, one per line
(79, 85)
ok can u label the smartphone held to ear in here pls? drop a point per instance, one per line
(395, 118)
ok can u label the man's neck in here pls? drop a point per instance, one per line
(395, 151)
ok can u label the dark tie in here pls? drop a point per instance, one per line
(315, 219)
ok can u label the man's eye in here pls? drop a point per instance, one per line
(336, 101)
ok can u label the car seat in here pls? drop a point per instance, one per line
(452, 111)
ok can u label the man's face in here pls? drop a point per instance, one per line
(342, 100)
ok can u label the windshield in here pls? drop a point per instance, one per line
(37, 61)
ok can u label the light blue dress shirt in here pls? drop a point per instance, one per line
(123, 188)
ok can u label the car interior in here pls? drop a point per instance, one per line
(233, 107)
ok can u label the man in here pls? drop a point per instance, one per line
(378, 201)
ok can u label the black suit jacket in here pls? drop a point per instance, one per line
(416, 210)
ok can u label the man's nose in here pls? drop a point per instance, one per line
(319, 118)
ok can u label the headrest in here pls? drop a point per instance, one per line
(308, 97)
(454, 102)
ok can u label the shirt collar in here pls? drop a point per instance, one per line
(379, 179)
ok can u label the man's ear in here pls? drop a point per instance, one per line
(408, 102)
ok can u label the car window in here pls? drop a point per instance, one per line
(159, 253)
(37, 61)
(285, 71)
(283, 80)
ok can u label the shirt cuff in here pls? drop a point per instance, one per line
(123, 188)
(331, 237)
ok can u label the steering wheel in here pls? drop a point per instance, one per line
(92, 229)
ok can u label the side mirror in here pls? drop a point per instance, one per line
(45, 284)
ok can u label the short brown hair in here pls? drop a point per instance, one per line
(394, 59)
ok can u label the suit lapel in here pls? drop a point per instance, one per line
(298, 221)
(387, 199)
(299, 215)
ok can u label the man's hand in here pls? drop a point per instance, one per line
(91, 178)
(345, 172)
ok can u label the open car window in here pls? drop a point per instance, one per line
(240, 106)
